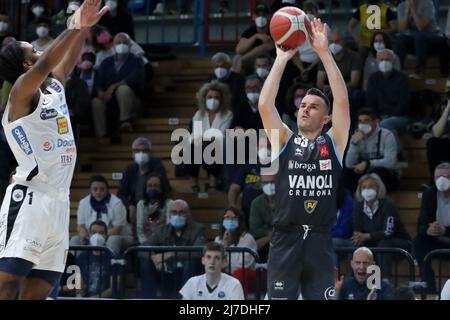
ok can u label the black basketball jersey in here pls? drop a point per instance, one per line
(306, 183)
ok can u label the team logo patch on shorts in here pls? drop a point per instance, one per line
(278, 285)
(22, 140)
(17, 195)
(310, 205)
(221, 295)
(63, 126)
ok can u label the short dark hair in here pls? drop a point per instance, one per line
(386, 38)
(98, 178)
(319, 93)
(214, 246)
(368, 112)
(165, 187)
(11, 62)
(99, 223)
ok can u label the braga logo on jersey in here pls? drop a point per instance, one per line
(299, 165)
(22, 140)
(48, 114)
(63, 126)
(310, 205)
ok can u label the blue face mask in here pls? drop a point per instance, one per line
(178, 221)
(230, 225)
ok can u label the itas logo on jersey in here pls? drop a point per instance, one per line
(48, 114)
(325, 165)
(324, 152)
(66, 159)
(22, 140)
(310, 205)
(63, 126)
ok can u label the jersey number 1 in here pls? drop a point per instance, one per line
(31, 198)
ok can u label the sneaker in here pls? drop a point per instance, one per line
(159, 10)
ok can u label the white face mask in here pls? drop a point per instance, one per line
(385, 66)
(97, 240)
(220, 72)
(369, 194)
(335, 48)
(262, 72)
(86, 65)
(253, 97)
(141, 158)
(212, 104)
(269, 189)
(378, 46)
(42, 32)
(442, 184)
(122, 48)
(364, 128)
(264, 155)
(3, 26)
(38, 11)
(261, 22)
(112, 5)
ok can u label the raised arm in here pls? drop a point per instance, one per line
(341, 115)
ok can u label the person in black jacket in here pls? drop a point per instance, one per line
(376, 222)
(433, 226)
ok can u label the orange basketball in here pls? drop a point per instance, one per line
(289, 27)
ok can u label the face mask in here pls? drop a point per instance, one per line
(220, 72)
(261, 22)
(335, 48)
(177, 221)
(104, 38)
(3, 26)
(38, 11)
(364, 128)
(385, 66)
(112, 5)
(262, 72)
(378, 46)
(86, 65)
(141, 158)
(369, 194)
(443, 184)
(230, 225)
(42, 32)
(298, 102)
(153, 194)
(264, 155)
(97, 240)
(212, 104)
(122, 48)
(253, 97)
(310, 17)
(269, 189)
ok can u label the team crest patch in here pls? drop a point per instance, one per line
(17, 195)
(310, 205)
(221, 295)
(320, 140)
(63, 126)
(55, 86)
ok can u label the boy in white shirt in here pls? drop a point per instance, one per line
(213, 284)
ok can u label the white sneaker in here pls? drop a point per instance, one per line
(159, 9)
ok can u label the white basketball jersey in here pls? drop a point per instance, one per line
(229, 288)
(43, 142)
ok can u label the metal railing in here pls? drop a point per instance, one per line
(441, 255)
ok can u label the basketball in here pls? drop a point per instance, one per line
(289, 26)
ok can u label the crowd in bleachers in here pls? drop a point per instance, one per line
(104, 95)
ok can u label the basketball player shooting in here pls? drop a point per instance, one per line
(301, 253)
(35, 214)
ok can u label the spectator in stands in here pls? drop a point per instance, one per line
(246, 114)
(261, 212)
(153, 210)
(233, 233)
(362, 18)
(380, 41)
(294, 97)
(355, 287)
(372, 149)
(438, 146)
(376, 222)
(87, 71)
(118, 20)
(255, 41)
(445, 294)
(105, 206)
(350, 65)
(213, 284)
(263, 65)
(174, 267)
(5, 27)
(419, 34)
(37, 10)
(120, 83)
(388, 94)
(343, 229)
(213, 102)
(96, 265)
(133, 184)
(43, 40)
(221, 64)
(433, 225)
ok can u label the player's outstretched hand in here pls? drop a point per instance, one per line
(285, 54)
(318, 37)
(90, 12)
